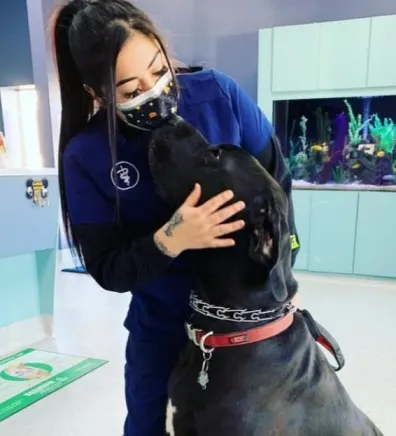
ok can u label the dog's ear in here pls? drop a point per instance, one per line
(265, 243)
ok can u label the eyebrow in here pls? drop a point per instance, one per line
(128, 79)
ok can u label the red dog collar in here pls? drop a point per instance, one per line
(209, 340)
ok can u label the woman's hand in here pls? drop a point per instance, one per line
(197, 227)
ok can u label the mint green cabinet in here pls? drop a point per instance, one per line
(302, 213)
(346, 232)
(382, 59)
(332, 236)
(376, 235)
(295, 58)
(344, 50)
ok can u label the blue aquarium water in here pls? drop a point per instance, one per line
(339, 141)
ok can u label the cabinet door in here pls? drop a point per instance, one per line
(344, 51)
(382, 59)
(24, 227)
(302, 213)
(264, 79)
(376, 235)
(295, 58)
(332, 237)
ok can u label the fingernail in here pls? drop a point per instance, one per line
(242, 204)
(230, 194)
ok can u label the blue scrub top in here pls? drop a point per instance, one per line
(215, 105)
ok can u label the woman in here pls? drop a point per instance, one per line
(110, 54)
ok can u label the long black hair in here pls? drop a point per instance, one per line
(87, 37)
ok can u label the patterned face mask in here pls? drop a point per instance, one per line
(151, 108)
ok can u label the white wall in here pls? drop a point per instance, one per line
(174, 19)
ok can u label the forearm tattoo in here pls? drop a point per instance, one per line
(161, 247)
(176, 220)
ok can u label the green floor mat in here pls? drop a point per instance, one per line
(30, 375)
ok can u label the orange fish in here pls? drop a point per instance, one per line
(152, 114)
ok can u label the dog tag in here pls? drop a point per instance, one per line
(203, 379)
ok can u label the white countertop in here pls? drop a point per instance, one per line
(340, 187)
(28, 172)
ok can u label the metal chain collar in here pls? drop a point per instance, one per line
(237, 315)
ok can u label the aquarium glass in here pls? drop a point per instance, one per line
(339, 141)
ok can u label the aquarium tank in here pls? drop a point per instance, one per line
(339, 140)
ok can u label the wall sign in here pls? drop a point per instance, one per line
(37, 191)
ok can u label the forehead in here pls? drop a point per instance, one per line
(135, 56)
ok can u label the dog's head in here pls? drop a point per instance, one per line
(175, 152)
(180, 156)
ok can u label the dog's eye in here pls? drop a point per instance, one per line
(215, 152)
(212, 157)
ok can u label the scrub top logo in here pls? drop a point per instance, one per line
(124, 176)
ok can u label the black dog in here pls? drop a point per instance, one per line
(252, 366)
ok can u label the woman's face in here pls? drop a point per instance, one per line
(140, 64)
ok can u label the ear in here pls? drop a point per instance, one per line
(97, 100)
(265, 243)
(90, 91)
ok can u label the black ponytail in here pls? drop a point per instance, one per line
(77, 104)
(88, 36)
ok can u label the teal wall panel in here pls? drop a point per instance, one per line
(302, 212)
(344, 65)
(28, 250)
(295, 58)
(376, 235)
(19, 297)
(332, 238)
(382, 64)
(264, 95)
(46, 261)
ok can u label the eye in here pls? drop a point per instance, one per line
(212, 157)
(215, 152)
(131, 95)
(162, 71)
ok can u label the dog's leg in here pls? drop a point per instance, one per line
(179, 423)
(170, 416)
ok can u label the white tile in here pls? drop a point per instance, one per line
(89, 322)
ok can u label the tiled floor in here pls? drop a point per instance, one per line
(360, 313)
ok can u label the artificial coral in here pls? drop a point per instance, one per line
(355, 125)
(384, 133)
